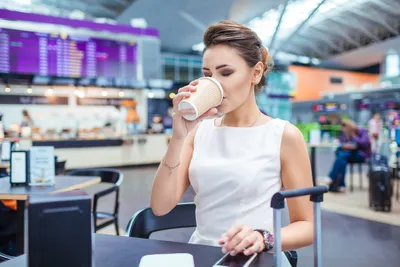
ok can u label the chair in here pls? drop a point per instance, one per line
(111, 176)
(143, 223)
(4, 257)
(351, 165)
(60, 167)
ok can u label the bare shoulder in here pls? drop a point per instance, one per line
(292, 136)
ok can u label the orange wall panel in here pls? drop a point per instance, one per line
(312, 81)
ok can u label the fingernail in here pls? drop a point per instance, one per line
(233, 253)
(224, 250)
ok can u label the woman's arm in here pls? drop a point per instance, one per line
(171, 182)
(296, 173)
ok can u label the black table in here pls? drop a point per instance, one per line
(118, 251)
(21, 194)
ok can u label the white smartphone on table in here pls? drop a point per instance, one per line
(240, 260)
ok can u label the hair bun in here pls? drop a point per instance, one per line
(267, 60)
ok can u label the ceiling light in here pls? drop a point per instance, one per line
(315, 61)
(104, 93)
(121, 93)
(24, 2)
(50, 91)
(139, 23)
(150, 95)
(7, 89)
(29, 90)
(198, 47)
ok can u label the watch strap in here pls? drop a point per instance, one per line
(268, 239)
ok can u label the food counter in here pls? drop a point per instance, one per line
(108, 152)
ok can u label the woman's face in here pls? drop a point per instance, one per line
(224, 64)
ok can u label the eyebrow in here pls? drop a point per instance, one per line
(218, 67)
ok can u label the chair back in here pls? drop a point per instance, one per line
(5, 257)
(144, 222)
(111, 176)
(60, 167)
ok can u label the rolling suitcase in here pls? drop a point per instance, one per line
(380, 188)
(278, 203)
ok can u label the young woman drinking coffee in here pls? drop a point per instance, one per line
(236, 162)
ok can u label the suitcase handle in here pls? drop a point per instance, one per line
(278, 203)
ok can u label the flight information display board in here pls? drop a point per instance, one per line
(24, 52)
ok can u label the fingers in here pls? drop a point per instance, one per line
(178, 98)
(232, 232)
(209, 113)
(188, 88)
(257, 245)
(234, 236)
(241, 239)
(246, 242)
(194, 83)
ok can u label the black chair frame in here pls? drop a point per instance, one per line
(116, 180)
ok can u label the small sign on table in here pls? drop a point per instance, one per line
(19, 167)
(42, 166)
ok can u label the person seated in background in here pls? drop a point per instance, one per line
(375, 126)
(355, 145)
(8, 227)
(157, 125)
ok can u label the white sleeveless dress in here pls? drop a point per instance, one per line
(234, 172)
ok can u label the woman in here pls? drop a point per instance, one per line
(237, 162)
(354, 146)
(26, 119)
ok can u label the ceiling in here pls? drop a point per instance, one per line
(324, 30)
(79, 9)
(182, 22)
(352, 34)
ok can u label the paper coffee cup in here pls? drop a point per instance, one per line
(209, 94)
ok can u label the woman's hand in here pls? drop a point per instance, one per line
(242, 239)
(181, 127)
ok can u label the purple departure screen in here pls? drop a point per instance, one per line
(65, 56)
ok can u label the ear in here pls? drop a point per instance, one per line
(257, 73)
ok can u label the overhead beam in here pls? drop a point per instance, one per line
(393, 7)
(299, 28)
(354, 24)
(311, 45)
(195, 22)
(336, 31)
(323, 40)
(374, 17)
(271, 44)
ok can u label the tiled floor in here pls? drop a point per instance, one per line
(347, 241)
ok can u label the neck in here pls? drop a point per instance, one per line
(245, 115)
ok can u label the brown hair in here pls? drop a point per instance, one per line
(244, 40)
(349, 123)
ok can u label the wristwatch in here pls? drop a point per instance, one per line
(269, 241)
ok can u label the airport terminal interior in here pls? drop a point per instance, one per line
(114, 113)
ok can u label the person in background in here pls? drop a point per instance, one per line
(355, 145)
(167, 119)
(8, 227)
(375, 127)
(26, 119)
(157, 126)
